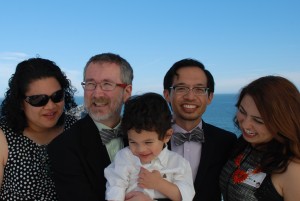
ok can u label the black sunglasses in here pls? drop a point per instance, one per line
(43, 99)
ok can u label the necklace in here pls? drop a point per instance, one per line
(240, 175)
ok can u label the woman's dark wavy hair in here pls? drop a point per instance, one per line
(26, 72)
(149, 112)
(278, 101)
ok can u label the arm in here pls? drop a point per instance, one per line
(183, 179)
(1, 173)
(3, 155)
(289, 182)
(153, 180)
(117, 175)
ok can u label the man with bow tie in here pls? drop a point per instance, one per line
(189, 88)
(79, 155)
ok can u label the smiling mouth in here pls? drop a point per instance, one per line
(50, 114)
(189, 106)
(100, 102)
(144, 155)
(249, 132)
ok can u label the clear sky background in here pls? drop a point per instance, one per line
(238, 41)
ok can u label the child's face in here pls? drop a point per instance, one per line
(146, 144)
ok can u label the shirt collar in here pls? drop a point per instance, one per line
(101, 126)
(178, 129)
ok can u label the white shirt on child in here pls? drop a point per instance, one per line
(122, 174)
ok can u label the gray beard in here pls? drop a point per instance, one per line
(98, 118)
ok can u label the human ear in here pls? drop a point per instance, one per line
(127, 92)
(168, 135)
(210, 97)
(167, 95)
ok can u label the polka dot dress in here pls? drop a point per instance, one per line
(27, 173)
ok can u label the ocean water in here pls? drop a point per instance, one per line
(219, 113)
(222, 111)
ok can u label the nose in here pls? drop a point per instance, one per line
(98, 91)
(190, 94)
(245, 122)
(140, 149)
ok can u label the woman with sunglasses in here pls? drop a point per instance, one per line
(32, 115)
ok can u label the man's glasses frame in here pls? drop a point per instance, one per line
(183, 90)
(104, 85)
(43, 99)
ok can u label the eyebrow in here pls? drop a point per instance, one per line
(93, 80)
(258, 118)
(253, 116)
(90, 80)
(184, 84)
(146, 140)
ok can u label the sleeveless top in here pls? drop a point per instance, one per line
(257, 187)
(267, 191)
(27, 171)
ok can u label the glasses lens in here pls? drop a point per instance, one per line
(57, 96)
(181, 90)
(42, 100)
(199, 90)
(89, 85)
(37, 100)
(108, 86)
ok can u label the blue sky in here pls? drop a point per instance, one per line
(238, 41)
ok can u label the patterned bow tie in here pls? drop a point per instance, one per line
(108, 134)
(197, 135)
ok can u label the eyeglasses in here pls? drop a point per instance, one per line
(182, 90)
(105, 86)
(43, 99)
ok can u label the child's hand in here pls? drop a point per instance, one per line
(149, 179)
